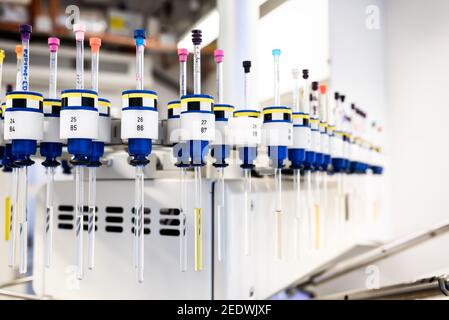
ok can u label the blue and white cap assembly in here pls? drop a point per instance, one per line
(24, 112)
(277, 128)
(339, 162)
(79, 123)
(324, 129)
(314, 157)
(223, 112)
(139, 114)
(197, 116)
(377, 165)
(301, 126)
(79, 112)
(246, 126)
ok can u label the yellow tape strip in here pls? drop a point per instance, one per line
(198, 240)
(104, 104)
(79, 95)
(223, 108)
(300, 116)
(246, 114)
(197, 100)
(277, 111)
(174, 106)
(52, 103)
(24, 96)
(7, 217)
(140, 95)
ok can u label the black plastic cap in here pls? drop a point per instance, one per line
(305, 74)
(336, 96)
(342, 98)
(197, 37)
(246, 66)
(315, 86)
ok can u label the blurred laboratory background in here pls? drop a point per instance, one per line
(378, 229)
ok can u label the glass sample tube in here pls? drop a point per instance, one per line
(79, 30)
(183, 54)
(23, 220)
(246, 171)
(48, 222)
(79, 216)
(297, 172)
(53, 74)
(316, 210)
(246, 217)
(95, 44)
(183, 221)
(23, 171)
(140, 222)
(310, 205)
(220, 218)
(80, 64)
(196, 66)
(278, 212)
(139, 66)
(219, 54)
(25, 63)
(13, 217)
(19, 51)
(198, 222)
(92, 186)
(15, 174)
(277, 96)
(297, 184)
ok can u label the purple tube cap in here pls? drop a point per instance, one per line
(25, 31)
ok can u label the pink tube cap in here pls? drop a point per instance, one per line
(53, 44)
(182, 54)
(79, 29)
(95, 44)
(219, 55)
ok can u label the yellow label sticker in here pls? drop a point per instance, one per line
(198, 240)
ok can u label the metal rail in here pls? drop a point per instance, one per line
(329, 272)
(421, 289)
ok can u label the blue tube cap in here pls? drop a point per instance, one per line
(140, 36)
(276, 52)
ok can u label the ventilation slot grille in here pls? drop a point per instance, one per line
(114, 220)
(146, 220)
(66, 217)
(169, 222)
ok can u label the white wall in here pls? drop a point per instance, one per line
(357, 56)
(418, 82)
(358, 70)
(416, 71)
